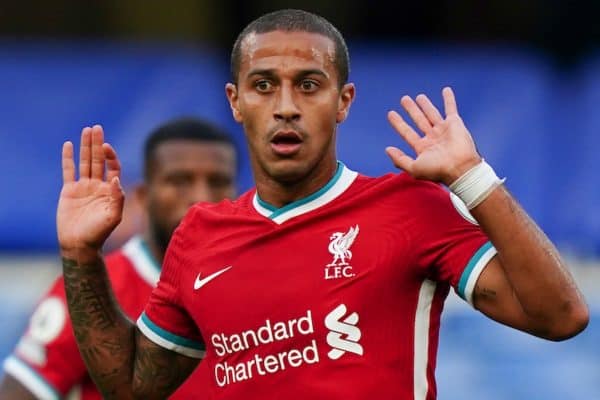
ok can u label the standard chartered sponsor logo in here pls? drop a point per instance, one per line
(347, 327)
(226, 373)
(344, 337)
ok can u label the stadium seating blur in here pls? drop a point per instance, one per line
(536, 125)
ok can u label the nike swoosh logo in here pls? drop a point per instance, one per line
(201, 282)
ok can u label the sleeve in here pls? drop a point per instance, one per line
(165, 321)
(454, 248)
(46, 360)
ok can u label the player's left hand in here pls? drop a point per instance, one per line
(446, 149)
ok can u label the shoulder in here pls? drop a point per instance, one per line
(401, 185)
(204, 213)
(400, 196)
(200, 225)
(224, 207)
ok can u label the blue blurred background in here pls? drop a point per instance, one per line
(527, 80)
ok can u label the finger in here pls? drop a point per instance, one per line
(116, 190)
(113, 165)
(97, 153)
(416, 114)
(449, 101)
(399, 158)
(117, 195)
(408, 134)
(430, 111)
(85, 153)
(68, 164)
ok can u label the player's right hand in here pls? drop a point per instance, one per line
(92, 206)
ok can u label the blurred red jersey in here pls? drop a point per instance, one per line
(335, 296)
(46, 360)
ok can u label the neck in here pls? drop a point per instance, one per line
(279, 194)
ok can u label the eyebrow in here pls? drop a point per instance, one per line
(271, 73)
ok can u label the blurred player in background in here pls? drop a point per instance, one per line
(186, 161)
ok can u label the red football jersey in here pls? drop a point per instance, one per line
(335, 296)
(47, 361)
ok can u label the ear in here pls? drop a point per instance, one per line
(231, 91)
(345, 101)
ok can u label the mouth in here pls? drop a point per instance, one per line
(286, 143)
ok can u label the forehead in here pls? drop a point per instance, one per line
(278, 49)
(193, 154)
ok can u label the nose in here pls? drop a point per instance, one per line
(199, 191)
(286, 108)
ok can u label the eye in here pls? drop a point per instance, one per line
(309, 85)
(179, 179)
(263, 85)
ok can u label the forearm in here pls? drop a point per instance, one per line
(105, 336)
(539, 279)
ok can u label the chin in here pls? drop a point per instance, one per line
(288, 171)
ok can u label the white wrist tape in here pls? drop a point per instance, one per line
(476, 184)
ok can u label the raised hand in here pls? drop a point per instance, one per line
(446, 149)
(91, 207)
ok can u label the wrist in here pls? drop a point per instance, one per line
(82, 255)
(461, 169)
(475, 185)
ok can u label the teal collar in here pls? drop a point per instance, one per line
(337, 185)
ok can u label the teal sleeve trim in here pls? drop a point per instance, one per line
(170, 337)
(464, 278)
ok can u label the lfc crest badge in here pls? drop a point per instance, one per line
(339, 247)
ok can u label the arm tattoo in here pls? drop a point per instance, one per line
(107, 340)
(105, 336)
(160, 372)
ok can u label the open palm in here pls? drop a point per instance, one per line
(446, 149)
(91, 207)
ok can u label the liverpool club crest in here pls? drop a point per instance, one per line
(339, 247)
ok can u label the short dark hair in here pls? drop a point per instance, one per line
(290, 20)
(183, 128)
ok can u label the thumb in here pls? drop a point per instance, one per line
(399, 158)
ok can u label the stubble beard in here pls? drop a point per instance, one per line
(161, 235)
